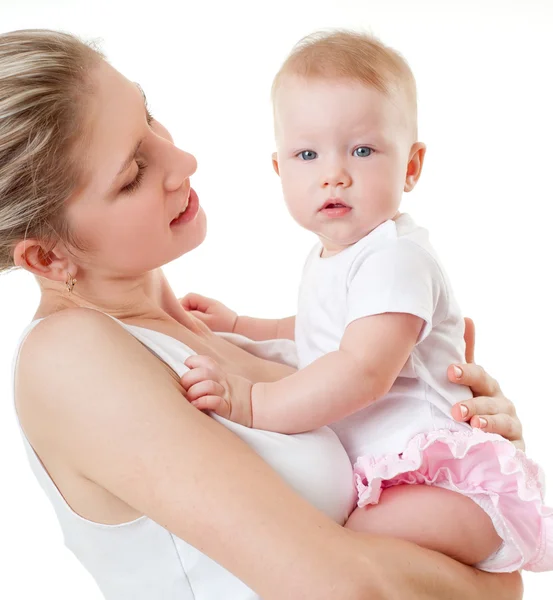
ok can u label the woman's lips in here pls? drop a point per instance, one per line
(191, 210)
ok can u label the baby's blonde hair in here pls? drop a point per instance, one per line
(354, 56)
(44, 81)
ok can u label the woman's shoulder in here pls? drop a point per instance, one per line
(55, 325)
(62, 333)
(77, 330)
(64, 336)
(71, 352)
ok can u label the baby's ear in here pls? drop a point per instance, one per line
(275, 163)
(414, 167)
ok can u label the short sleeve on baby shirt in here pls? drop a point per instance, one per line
(399, 276)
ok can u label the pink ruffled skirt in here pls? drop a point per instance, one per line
(507, 485)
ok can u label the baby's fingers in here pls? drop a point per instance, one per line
(194, 376)
(196, 302)
(213, 403)
(204, 388)
(197, 360)
(203, 317)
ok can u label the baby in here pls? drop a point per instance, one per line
(377, 323)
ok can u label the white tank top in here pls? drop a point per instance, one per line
(140, 560)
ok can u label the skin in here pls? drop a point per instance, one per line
(346, 154)
(117, 447)
(350, 145)
(344, 141)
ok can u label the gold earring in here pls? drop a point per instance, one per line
(70, 282)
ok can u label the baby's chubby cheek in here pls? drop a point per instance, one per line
(301, 208)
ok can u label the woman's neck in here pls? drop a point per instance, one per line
(148, 299)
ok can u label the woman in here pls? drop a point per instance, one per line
(155, 498)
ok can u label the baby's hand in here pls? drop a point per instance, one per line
(211, 312)
(208, 387)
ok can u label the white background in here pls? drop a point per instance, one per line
(484, 77)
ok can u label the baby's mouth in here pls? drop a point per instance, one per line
(335, 207)
(334, 203)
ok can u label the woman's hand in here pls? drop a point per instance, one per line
(489, 410)
(208, 387)
(211, 312)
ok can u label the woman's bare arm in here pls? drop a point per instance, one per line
(410, 572)
(105, 403)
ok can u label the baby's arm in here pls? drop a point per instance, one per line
(395, 293)
(265, 329)
(371, 355)
(218, 317)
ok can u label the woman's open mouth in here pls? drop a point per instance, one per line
(190, 211)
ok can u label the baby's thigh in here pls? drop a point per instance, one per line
(431, 517)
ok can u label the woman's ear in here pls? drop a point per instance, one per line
(275, 163)
(414, 166)
(32, 256)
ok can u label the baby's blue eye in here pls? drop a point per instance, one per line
(363, 151)
(308, 155)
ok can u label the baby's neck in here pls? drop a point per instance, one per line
(331, 249)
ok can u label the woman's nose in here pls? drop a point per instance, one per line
(180, 165)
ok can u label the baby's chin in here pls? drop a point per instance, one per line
(342, 235)
(335, 244)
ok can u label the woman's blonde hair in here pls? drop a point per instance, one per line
(44, 81)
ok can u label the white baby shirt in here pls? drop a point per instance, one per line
(392, 269)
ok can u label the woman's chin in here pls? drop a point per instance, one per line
(194, 233)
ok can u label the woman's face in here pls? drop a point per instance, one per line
(135, 184)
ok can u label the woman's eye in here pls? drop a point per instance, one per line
(363, 151)
(307, 155)
(135, 183)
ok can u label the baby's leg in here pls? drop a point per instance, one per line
(431, 517)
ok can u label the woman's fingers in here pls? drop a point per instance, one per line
(483, 405)
(470, 340)
(489, 410)
(502, 424)
(475, 377)
(494, 415)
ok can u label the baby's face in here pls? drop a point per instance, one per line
(342, 154)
